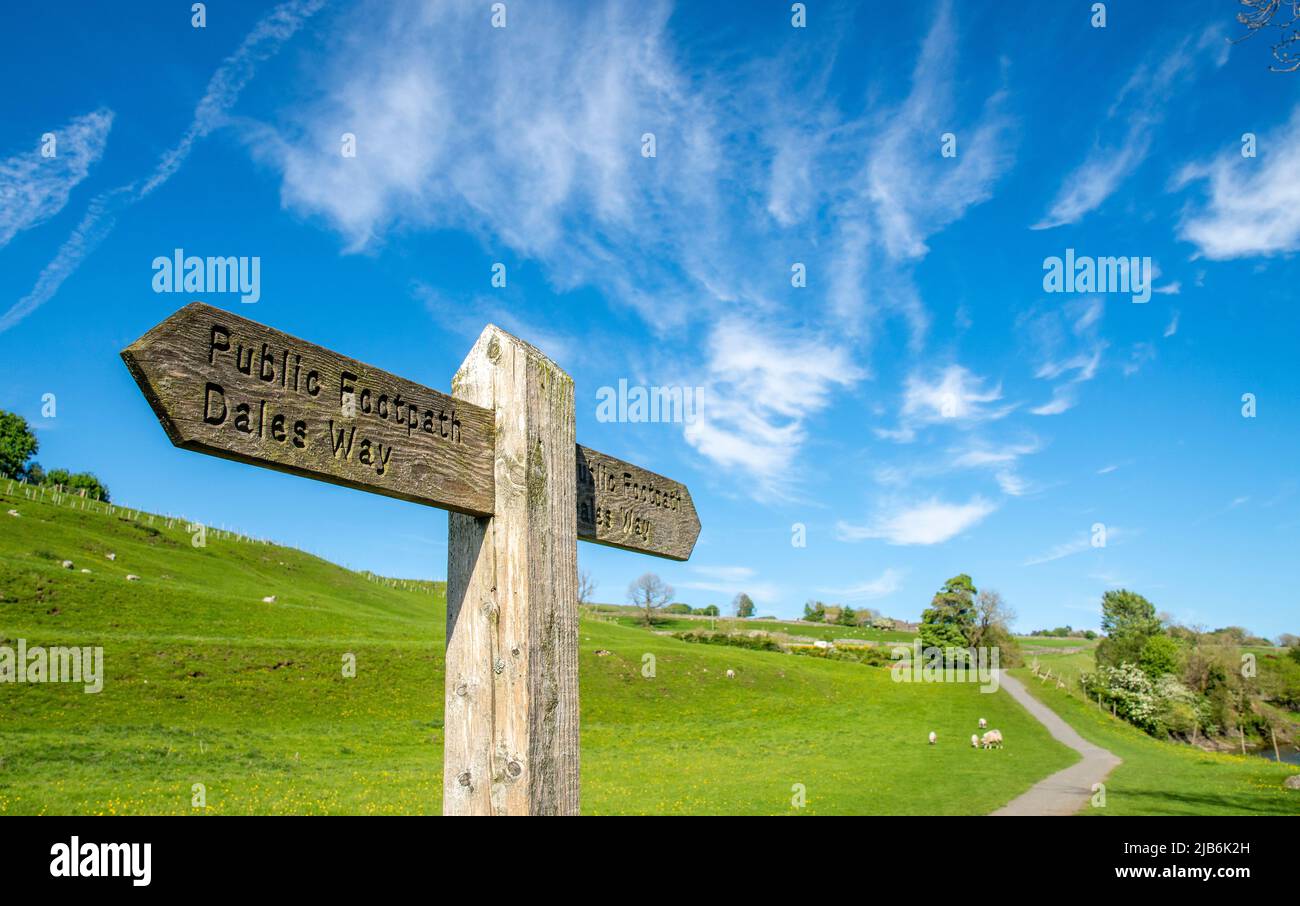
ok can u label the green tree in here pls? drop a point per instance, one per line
(1161, 655)
(1124, 612)
(814, 611)
(848, 617)
(949, 621)
(744, 605)
(75, 482)
(1128, 620)
(17, 445)
(710, 611)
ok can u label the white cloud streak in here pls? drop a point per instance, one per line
(882, 586)
(1135, 114)
(927, 522)
(1251, 205)
(223, 90)
(34, 188)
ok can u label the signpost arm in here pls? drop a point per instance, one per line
(511, 706)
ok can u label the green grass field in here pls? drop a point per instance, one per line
(1159, 777)
(207, 684)
(1051, 642)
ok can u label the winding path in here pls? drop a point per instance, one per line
(1068, 790)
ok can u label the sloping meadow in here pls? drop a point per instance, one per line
(328, 698)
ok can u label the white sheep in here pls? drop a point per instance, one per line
(992, 739)
(731, 674)
(933, 738)
(974, 741)
(983, 724)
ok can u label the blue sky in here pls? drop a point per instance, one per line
(922, 406)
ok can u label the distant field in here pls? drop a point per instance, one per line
(208, 684)
(1048, 641)
(681, 623)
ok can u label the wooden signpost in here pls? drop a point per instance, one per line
(499, 453)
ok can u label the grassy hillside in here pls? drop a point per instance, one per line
(1160, 777)
(208, 684)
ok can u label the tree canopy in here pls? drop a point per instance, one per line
(949, 621)
(17, 445)
(744, 605)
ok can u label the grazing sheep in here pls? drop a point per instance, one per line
(67, 564)
(111, 556)
(130, 577)
(731, 674)
(974, 741)
(269, 599)
(992, 739)
(14, 513)
(933, 738)
(983, 724)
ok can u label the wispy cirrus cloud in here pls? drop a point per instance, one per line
(727, 573)
(882, 586)
(1085, 541)
(34, 188)
(761, 384)
(1251, 205)
(931, 521)
(1066, 342)
(566, 185)
(1125, 140)
(224, 88)
(1063, 400)
(953, 395)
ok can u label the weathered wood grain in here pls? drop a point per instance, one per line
(511, 726)
(230, 387)
(626, 506)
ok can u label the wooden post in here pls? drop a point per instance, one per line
(511, 718)
(500, 454)
(1277, 756)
